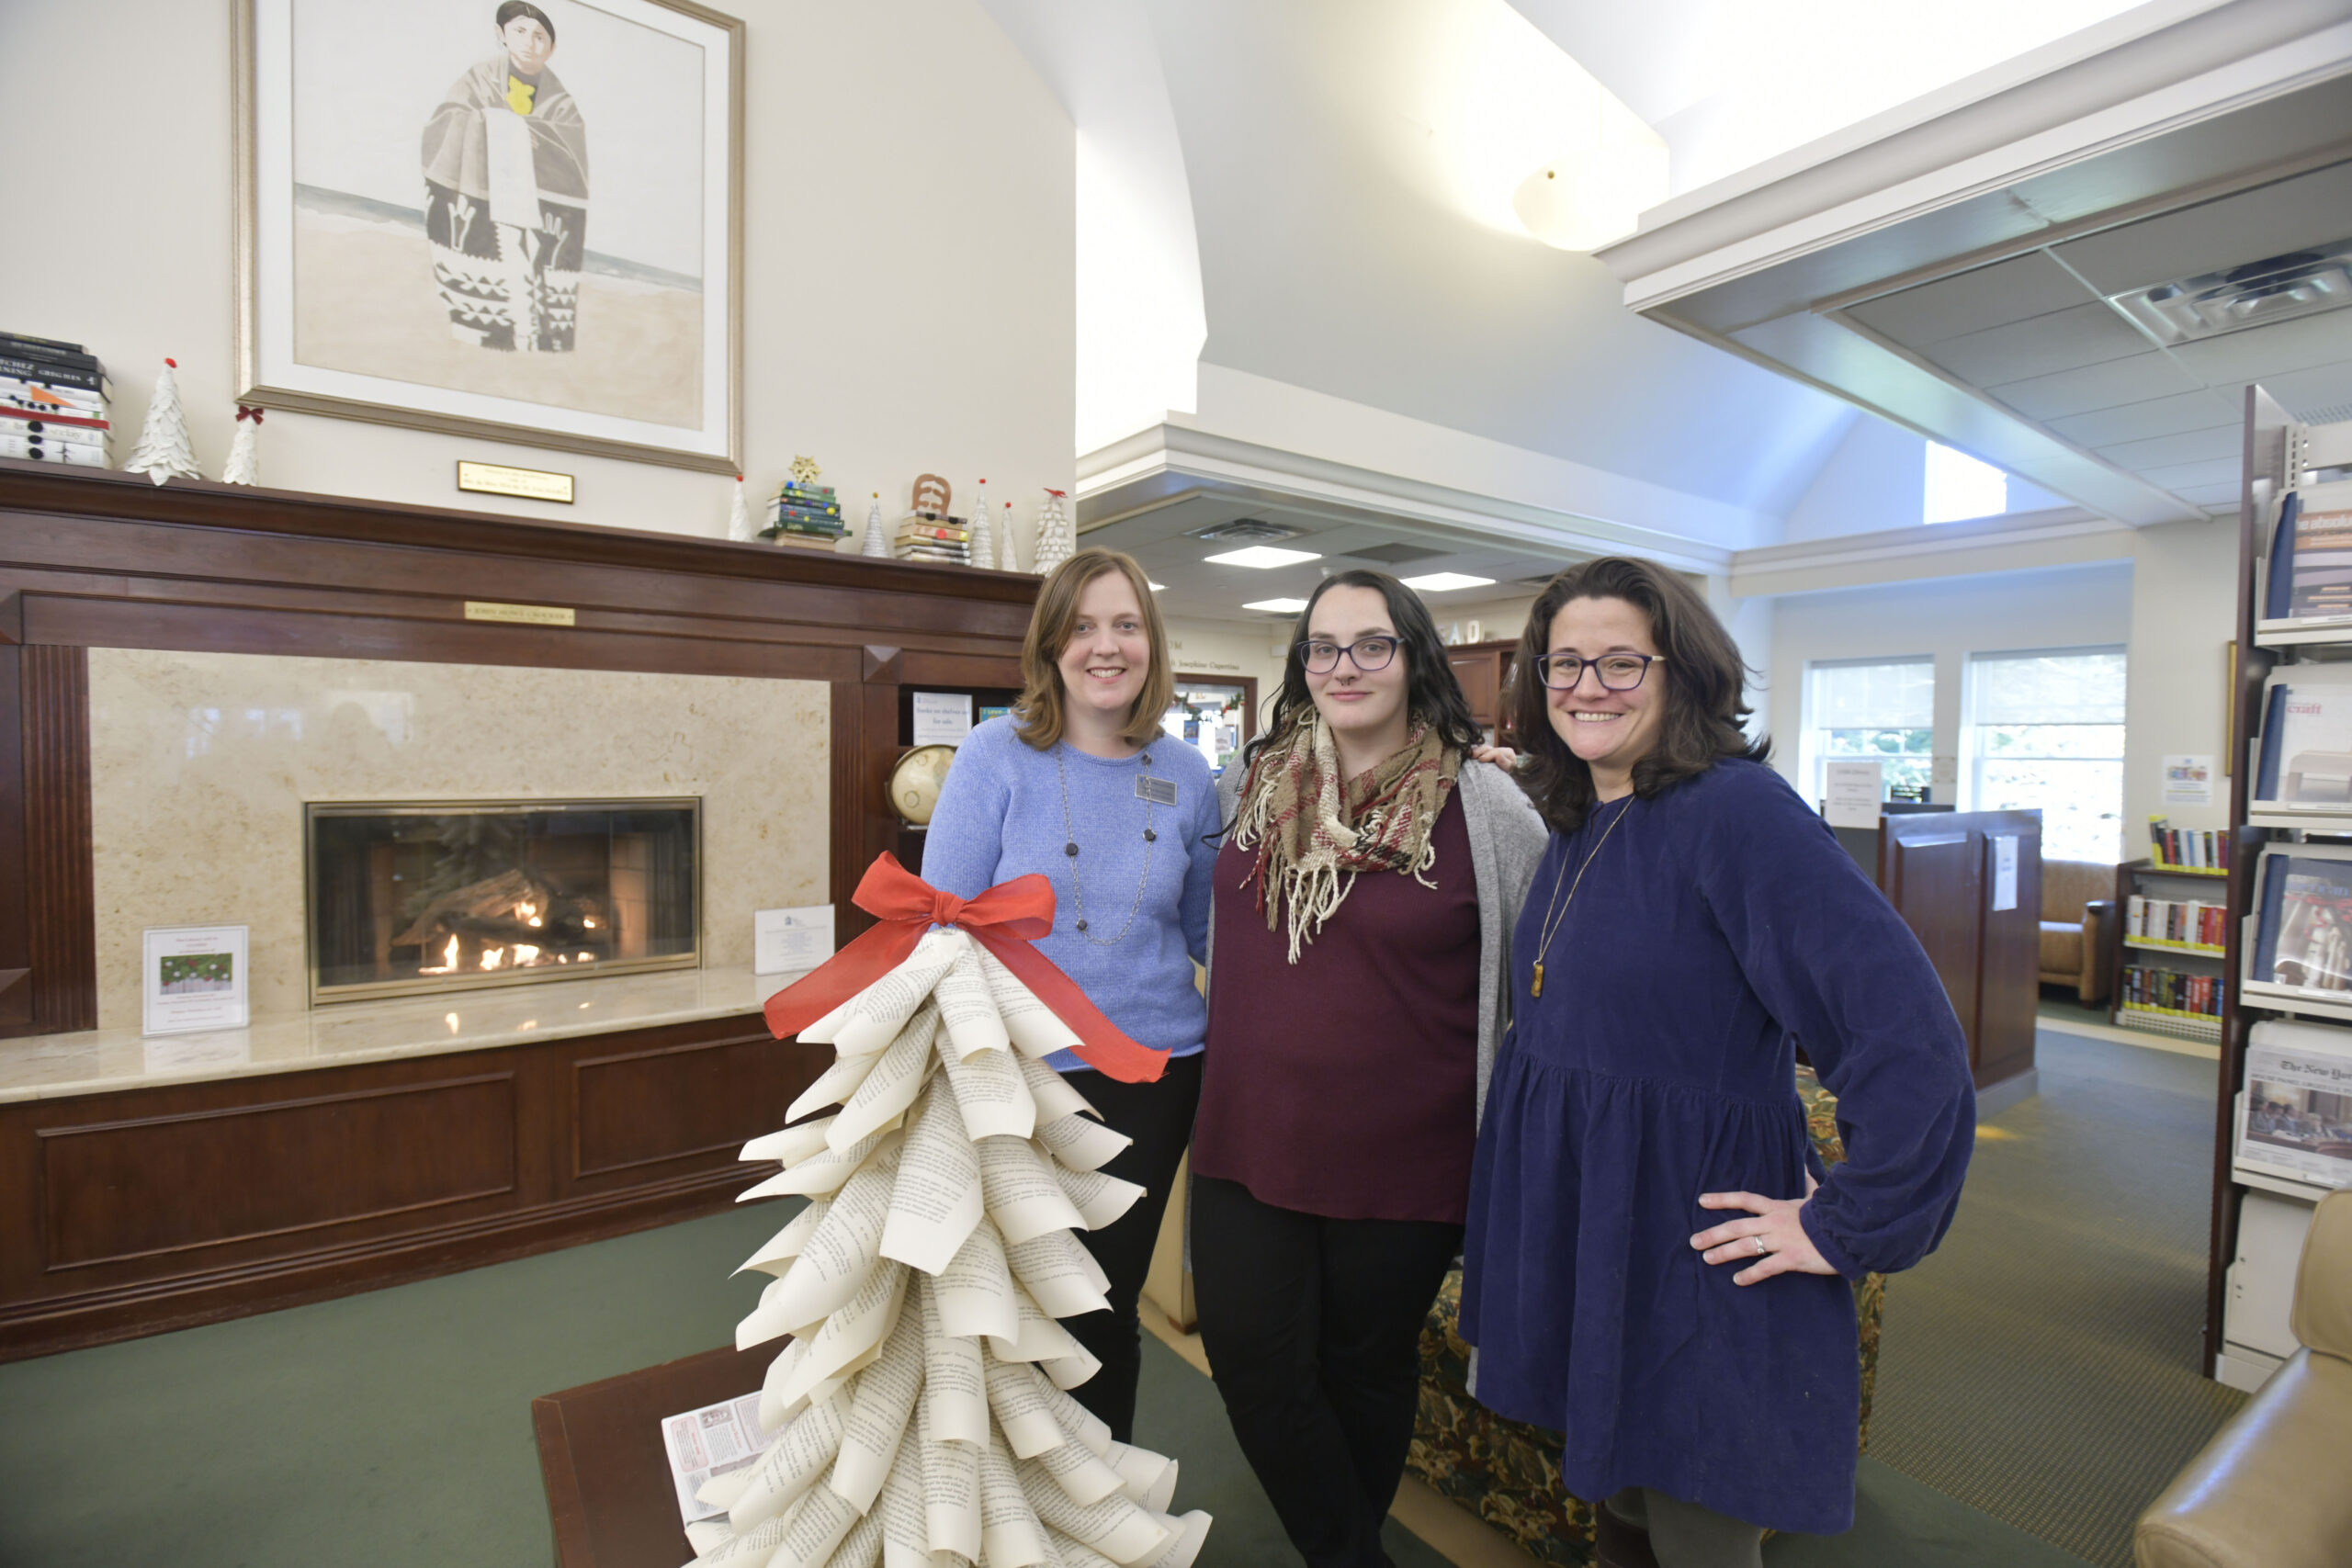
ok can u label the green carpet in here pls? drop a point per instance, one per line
(2043, 1364)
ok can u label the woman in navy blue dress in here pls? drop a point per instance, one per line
(1653, 1254)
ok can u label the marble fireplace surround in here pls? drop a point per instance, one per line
(200, 764)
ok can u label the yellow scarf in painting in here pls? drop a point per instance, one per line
(519, 94)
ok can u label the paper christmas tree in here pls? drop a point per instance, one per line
(739, 527)
(244, 466)
(162, 448)
(921, 1405)
(981, 545)
(1006, 560)
(1055, 543)
(876, 545)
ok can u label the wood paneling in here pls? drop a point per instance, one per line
(120, 1190)
(2010, 974)
(61, 925)
(649, 1108)
(158, 1207)
(1937, 869)
(1934, 879)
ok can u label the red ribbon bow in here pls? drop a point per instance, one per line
(251, 413)
(1005, 919)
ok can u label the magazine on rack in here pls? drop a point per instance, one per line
(2303, 938)
(2295, 1117)
(2306, 757)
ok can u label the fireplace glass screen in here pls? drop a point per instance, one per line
(408, 898)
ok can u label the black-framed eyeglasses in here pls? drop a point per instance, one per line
(1367, 654)
(1617, 671)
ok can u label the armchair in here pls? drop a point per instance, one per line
(2078, 927)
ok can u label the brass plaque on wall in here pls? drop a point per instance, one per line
(531, 484)
(521, 614)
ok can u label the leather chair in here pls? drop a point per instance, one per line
(2078, 927)
(2270, 1489)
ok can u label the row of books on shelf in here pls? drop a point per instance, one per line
(2187, 849)
(2294, 1117)
(2146, 988)
(53, 402)
(2174, 920)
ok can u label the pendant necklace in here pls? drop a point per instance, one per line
(1153, 792)
(1552, 922)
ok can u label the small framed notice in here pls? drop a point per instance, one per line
(1852, 793)
(787, 941)
(2188, 780)
(2005, 870)
(943, 719)
(192, 977)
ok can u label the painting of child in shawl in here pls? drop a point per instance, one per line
(506, 193)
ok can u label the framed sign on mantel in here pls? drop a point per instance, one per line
(520, 220)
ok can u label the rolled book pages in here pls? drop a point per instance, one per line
(920, 1390)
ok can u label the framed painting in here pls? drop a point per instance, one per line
(520, 219)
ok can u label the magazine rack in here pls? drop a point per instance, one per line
(2291, 814)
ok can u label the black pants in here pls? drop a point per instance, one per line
(1312, 1327)
(1158, 1117)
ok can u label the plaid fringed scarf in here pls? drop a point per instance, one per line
(1313, 833)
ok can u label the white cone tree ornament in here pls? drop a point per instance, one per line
(920, 1397)
(1005, 560)
(875, 545)
(739, 527)
(1055, 543)
(981, 546)
(244, 466)
(163, 450)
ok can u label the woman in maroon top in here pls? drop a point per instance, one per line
(1362, 910)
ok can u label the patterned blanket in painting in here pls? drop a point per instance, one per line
(506, 211)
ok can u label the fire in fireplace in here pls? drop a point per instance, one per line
(437, 897)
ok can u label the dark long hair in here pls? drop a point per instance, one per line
(1431, 692)
(1701, 664)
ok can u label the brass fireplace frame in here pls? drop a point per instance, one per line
(332, 995)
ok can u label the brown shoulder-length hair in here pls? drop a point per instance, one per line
(1701, 665)
(1038, 717)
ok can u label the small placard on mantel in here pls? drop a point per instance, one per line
(942, 718)
(530, 484)
(522, 615)
(192, 977)
(790, 942)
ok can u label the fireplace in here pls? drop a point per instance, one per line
(447, 896)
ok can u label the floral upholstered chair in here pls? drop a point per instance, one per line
(1509, 1474)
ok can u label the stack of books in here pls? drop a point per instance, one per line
(53, 402)
(925, 538)
(804, 514)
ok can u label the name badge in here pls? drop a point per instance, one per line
(1159, 792)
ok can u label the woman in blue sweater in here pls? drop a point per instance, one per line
(1653, 1256)
(1079, 785)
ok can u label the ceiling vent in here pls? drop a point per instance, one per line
(1395, 555)
(1246, 530)
(2277, 288)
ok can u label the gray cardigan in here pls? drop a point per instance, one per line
(1507, 841)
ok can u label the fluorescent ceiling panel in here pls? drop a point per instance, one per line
(1446, 581)
(1278, 606)
(1262, 557)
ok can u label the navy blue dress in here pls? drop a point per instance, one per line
(1720, 925)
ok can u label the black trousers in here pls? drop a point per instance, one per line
(1158, 1117)
(1312, 1327)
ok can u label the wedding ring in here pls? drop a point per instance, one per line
(1760, 1249)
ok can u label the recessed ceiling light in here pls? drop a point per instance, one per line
(1264, 556)
(1446, 581)
(1278, 606)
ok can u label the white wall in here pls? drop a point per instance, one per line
(1876, 478)
(2183, 615)
(880, 351)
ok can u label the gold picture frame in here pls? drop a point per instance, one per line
(613, 328)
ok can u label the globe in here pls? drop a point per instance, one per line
(915, 781)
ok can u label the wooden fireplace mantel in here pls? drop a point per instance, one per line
(128, 1211)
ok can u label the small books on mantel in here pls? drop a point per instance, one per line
(2310, 571)
(2295, 1117)
(52, 402)
(2302, 944)
(2305, 762)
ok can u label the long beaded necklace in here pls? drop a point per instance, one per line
(1551, 924)
(1152, 789)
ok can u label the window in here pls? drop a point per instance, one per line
(2045, 730)
(1883, 709)
(1959, 487)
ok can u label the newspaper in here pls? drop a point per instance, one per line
(2295, 1117)
(716, 1440)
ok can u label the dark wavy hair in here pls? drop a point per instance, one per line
(1703, 672)
(1431, 692)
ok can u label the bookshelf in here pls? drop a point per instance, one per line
(2258, 1219)
(2139, 1000)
